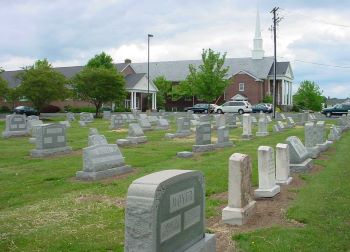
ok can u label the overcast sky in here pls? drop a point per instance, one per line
(70, 32)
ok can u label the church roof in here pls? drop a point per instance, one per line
(132, 79)
(281, 68)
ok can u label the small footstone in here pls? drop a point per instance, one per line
(184, 154)
(123, 142)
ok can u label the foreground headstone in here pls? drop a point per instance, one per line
(267, 179)
(33, 122)
(240, 207)
(282, 165)
(310, 136)
(165, 211)
(50, 140)
(321, 136)
(223, 138)
(203, 138)
(102, 161)
(299, 156)
(16, 125)
(135, 134)
(247, 127)
(262, 131)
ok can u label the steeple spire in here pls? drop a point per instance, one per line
(258, 51)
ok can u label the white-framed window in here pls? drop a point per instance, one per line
(241, 87)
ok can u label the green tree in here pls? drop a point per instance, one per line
(13, 95)
(41, 84)
(208, 81)
(164, 90)
(99, 82)
(308, 96)
(3, 85)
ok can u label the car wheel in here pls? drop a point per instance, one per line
(219, 111)
(240, 111)
(328, 114)
(206, 111)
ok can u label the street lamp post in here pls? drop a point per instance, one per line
(148, 39)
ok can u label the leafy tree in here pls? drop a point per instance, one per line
(308, 96)
(267, 99)
(187, 88)
(99, 82)
(13, 95)
(164, 90)
(208, 81)
(3, 85)
(41, 84)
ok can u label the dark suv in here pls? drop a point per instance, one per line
(25, 110)
(200, 108)
(338, 109)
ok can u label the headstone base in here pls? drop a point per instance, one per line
(302, 167)
(223, 145)
(147, 128)
(261, 134)
(247, 137)
(169, 135)
(162, 128)
(238, 216)
(123, 142)
(231, 126)
(82, 123)
(203, 148)
(83, 175)
(284, 182)
(6, 134)
(267, 193)
(184, 154)
(50, 152)
(313, 151)
(207, 244)
(137, 140)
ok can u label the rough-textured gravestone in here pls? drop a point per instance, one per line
(34, 132)
(163, 124)
(165, 211)
(135, 134)
(310, 137)
(93, 131)
(220, 121)
(33, 117)
(321, 136)
(50, 140)
(334, 134)
(267, 176)
(70, 116)
(107, 115)
(117, 122)
(262, 130)
(254, 121)
(282, 164)
(97, 140)
(102, 161)
(280, 125)
(145, 124)
(223, 138)
(290, 122)
(16, 125)
(33, 122)
(299, 156)
(247, 127)
(230, 120)
(240, 204)
(86, 117)
(275, 128)
(183, 128)
(268, 119)
(65, 123)
(283, 116)
(205, 118)
(203, 138)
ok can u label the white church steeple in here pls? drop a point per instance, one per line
(258, 51)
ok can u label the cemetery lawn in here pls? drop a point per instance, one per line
(43, 207)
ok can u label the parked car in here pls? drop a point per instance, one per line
(201, 108)
(25, 110)
(239, 107)
(338, 109)
(264, 107)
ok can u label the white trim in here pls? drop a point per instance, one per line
(241, 84)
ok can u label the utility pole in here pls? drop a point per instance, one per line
(276, 20)
(148, 100)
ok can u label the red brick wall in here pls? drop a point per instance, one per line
(128, 70)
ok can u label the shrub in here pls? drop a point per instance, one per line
(50, 109)
(122, 110)
(4, 109)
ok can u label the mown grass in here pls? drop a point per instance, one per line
(43, 208)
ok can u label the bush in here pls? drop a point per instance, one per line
(83, 109)
(295, 108)
(50, 109)
(4, 109)
(122, 110)
(267, 99)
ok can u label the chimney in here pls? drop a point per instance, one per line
(128, 61)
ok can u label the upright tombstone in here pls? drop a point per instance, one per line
(240, 207)
(65, 123)
(300, 160)
(303, 117)
(280, 125)
(165, 211)
(230, 120)
(34, 132)
(86, 117)
(290, 122)
(282, 165)
(135, 134)
(333, 134)
(321, 136)
(107, 115)
(70, 117)
(262, 131)
(50, 140)
(268, 118)
(254, 121)
(93, 131)
(247, 127)
(183, 125)
(16, 125)
(310, 137)
(267, 176)
(163, 124)
(203, 138)
(145, 124)
(220, 121)
(32, 117)
(275, 128)
(102, 161)
(32, 123)
(97, 140)
(223, 138)
(283, 116)
(117, 122)
(205, 118)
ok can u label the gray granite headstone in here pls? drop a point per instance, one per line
(299, 156)
(93, 131)
(51, 140)
(223, 138)
(230, 120)
(86, 117)
(117, 122)
(165, 211)
(163, 124)
(16, 125)
(247, 126)
(310, 137)
(70, 116)
(97, 140)
(106, 115)
(135, 134)
(145, 124)
(203, 138)
(101, 161)
(262, 130)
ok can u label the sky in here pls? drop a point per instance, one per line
(313, 35)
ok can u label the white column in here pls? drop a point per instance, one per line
(283, 93)
(135, 101)
(152, 101)
(291, 93)
(155, 101)
(132, 100)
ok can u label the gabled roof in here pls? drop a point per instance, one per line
(281, 68)
(178, 70)
(132, 79)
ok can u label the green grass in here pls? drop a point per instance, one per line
(43, 208)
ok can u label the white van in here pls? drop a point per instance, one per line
(239, 107)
